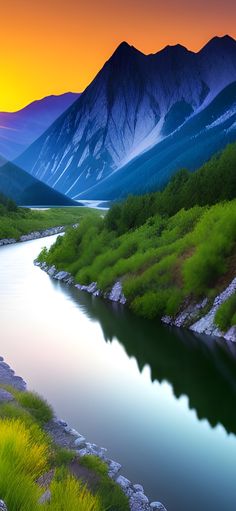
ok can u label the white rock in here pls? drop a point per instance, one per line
(138, 487)
(80, 440)
(124, 483)
(231, 334)
(60, 422)
(157, 506)
(46, 497)
(82, 452)
(116, 294)
(5, 396)
(72, 431)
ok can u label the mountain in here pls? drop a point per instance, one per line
(25, 190)
(189, 147)
(136, 104)
(20, 129)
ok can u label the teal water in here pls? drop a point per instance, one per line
(161, 400)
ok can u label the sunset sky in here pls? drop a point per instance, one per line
(55, 46)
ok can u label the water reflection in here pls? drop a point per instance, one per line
(199, 367)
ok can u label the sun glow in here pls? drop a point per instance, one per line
(51, 47)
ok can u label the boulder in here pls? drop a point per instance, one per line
(3, 506)
(139, 502)
(79, 441)
(5, 396)
(138, 487)
(46, 497)
(116, 294)
(157, 506)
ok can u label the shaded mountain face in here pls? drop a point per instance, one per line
(20, 129)
(135, 103)
(201, 136)
(25, 190)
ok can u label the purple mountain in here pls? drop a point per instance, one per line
(19, 129)
(135, 103)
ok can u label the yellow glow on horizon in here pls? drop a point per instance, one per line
(53, 46)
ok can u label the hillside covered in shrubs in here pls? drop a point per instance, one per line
(167, 248)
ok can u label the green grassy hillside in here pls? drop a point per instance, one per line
(164, 258)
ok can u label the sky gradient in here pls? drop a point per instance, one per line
(55, 46)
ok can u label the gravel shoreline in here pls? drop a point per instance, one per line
(33, 235)
(65, 436)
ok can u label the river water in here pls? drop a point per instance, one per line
(161, 400)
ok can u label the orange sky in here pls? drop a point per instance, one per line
(53, 46)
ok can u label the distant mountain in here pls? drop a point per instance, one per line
(20, 129)
(136, 104)
(25, 190)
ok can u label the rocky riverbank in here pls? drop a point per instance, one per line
(33, 235)
(67, 437)
(193, 316)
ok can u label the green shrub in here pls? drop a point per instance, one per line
(226, 314)
(35, 405)
(62, 456)
(72, 495)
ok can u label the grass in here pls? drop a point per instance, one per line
(62, 456)
(14, 224)
(68, 493)
(30, 406)
(35, 405)
(23, 458)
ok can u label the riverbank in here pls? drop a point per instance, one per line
(68, 438)
(18, 222)
(33, 235)
(191, 317)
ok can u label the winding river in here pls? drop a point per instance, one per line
(161, 400)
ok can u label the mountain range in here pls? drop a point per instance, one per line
(20, 129)
(142, 118)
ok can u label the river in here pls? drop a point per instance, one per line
(161, 400)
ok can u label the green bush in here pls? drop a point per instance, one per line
(226, 314)
(35, 405)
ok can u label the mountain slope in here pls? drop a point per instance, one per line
(20, 129)
(134, 103)
(25, 190)
(188, 147)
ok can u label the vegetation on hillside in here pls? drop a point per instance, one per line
(167, 248)
(212, 183)
(15, 221)
(27, 453)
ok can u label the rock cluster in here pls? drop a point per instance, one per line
(7, 241)
(206, 324)
(114, 295)
(34, 235)
(3, 506)
(8, 377)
